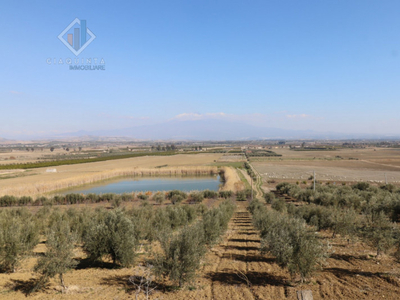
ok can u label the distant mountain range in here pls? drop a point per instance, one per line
(211, 129)
(214, 130)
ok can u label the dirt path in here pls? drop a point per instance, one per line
(240, 272)
(256, 185)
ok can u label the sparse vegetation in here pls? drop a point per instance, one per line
(58, 258)
(18, 236)
(288, 239)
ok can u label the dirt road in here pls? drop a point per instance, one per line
(240, 272)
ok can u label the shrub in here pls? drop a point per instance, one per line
(143, 196)
(18, 236)
(269, 197)
(116, 202)
(41, 201)
(361, 186)
(379, 232)
(111, 233)
(197, 197)
(107, 197)
(8, 200)
(93, 198)
(240, 196)
(170, 194)
(143, 220)
(279, 205)
(225, 194)
(176, 199)
(58, 258)
(181, 255)
(289, 241)
(127, 197)
(24, 200)
(344, 222)
(211, 224)
(159, 198)
(210, 194)
(74, 198)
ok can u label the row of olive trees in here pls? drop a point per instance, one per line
(362, 211)
(288, 239)
(102, 234)
(182, 252)
(362, 197)
(175, 196)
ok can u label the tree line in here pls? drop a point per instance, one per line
(362, 211)
(184, 232)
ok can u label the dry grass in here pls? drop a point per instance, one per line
(49, 186)
(353, 165)
(232, 180)
(71, 173)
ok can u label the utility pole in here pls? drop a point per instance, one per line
(314, 180)
(385, 179)
(251, 188)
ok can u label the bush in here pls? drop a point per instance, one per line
(127, 197)
(225, 194)
(107, 197)
(18, 236)
(240, 196)
(24, 200)
(42, 201)
(170, 194)
(289, 241)
(74, 198)
(143, 196)
(344, 222)
(269, 197)
(176, 199)
(113, 234)
(210, 194)
(8, 201)
(361, 186)
(181, 255)
(379, 232)
(58, 258)
(197, 197)
(116, 202)
(279, 205)
(159, 198)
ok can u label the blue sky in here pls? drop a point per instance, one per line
(322, 65)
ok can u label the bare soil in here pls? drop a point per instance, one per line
(370, 164)
(234, 269)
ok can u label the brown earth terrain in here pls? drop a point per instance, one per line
(343, 165)
(234, 269)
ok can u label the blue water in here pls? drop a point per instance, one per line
(141, 184)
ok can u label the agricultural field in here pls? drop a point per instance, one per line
(15, 182)
(249, 258)
(233, 268)
(342, 165)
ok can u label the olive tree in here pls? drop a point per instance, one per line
(111, 233)
(181, 254)
(18, 236)
(379, 232)
(58, 258)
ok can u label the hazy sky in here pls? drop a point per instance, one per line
(324, 65)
